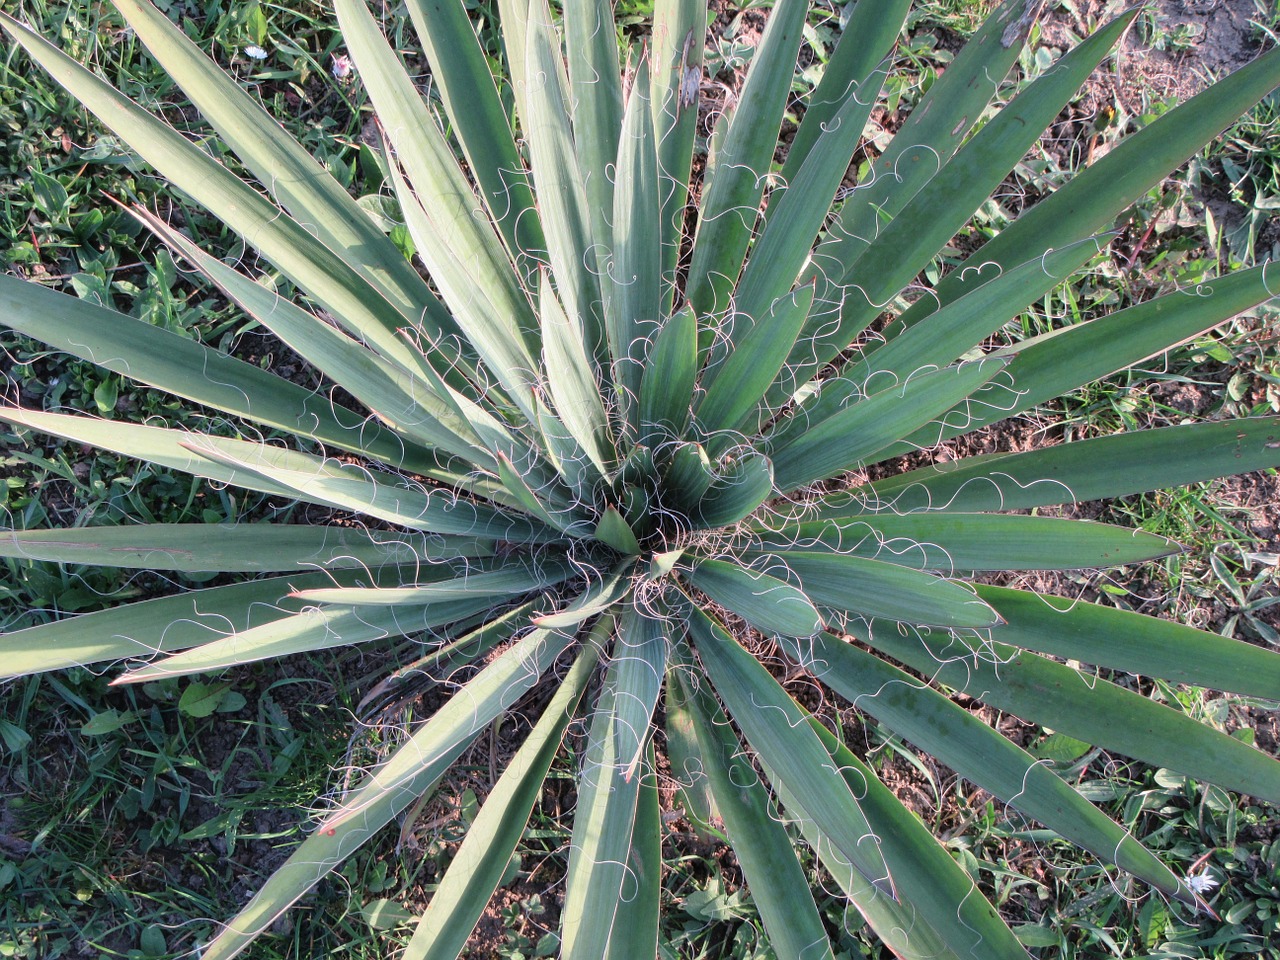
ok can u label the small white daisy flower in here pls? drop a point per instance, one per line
(254, 52)
(1202, 882)
(341, 66)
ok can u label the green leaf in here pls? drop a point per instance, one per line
(728, 211)
(693, 791)
(351, 489)
(926, 875)
(616, 532)
(866, 40)
(296, 179)
(777, 730)
(107, 721)
(466, 86)
(599, 596)
(474, 278)
(572, 380)
(1080, 705)
(965, 743)
(510, 578)
(445, 660)
(1096, 195)
(768, 603)
(764, 851)
(409, 773)
(403, 402)
(1133, 643)
(595, 90)
(312, 629)
(969, 541)
(758, 349)
(666, 391)
(639, 909)
(158, 625)
(562, 195)
(385, 914)
(743, 483)
(481, 861)
(874, 588)
(925, 197)
(1114, 466)
(202, 699)
(601, 841)
(300, 256)
(805, 452)
(958, 327)
(636, 670)
(676, 54)
(140, 350)
(550, 504)
(239, 547)
(634, 295)
(1048, 366)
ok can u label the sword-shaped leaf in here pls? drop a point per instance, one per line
(940, 204)
(409, 773)
(1080, 705)
(596, 599)
(766, 854)
(866, 40)
(777, 730)
(297, 181)
(235, 547)
(736, 490)
(159, 445)
(640, 907)
(632, 313)
(312, 629)
(575, 390)
(506, 580)
(978, 753)
(159, 625)
(562, 196)
(865, 428)
(1099, 193)
(874, 588)
(490, 309)
(768, 603)
(688, 770)
(598, 850)
(299, 255)
(666, 391)
(735, 387)
(729, 206)
(970, 541)
(1114, 466)
(677, 50)
(638, 665)
(165, 360)
(481, 861)
(407, 404)
(461, 74)
(595, 90)
(321, 481)
(614, 530)
(1133, 643)
(1053, 364)
(926, 874)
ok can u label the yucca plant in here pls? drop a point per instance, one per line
(584, 433)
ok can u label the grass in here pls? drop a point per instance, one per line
(121, 807)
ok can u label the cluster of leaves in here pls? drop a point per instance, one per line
(589, 437)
